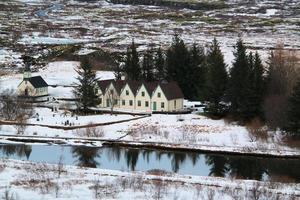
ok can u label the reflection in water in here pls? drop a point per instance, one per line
(86, 156)
(131, 158)
(18, 150)
(247, 168)
(218, 165)
(121, 158)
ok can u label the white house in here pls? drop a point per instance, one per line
(139, 95)
(32, 86)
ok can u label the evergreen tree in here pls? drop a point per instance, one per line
(239, 83)
(293, 113)
(178, 66)
(159, 65)
(197, 72)
(132, 67)
(216, 79)
(118, 71)
(148, 66)
(86, 89)
(258, 86)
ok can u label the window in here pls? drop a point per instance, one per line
(130, 102)
(100, 101)
(111, 91)
(143, 94)
(107, 103)
(158, 94)
(96, 91)
(127, 92)
(162, 105)
(123, 102)
(175, 104)
(139, 103)
(146, 104)
(115, 101)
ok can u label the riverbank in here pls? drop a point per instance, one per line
(96, 142)
(183, 132)
(44, 181)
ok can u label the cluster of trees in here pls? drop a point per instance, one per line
(248, 90)
(15, 108)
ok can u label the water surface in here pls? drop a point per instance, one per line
(133, 159)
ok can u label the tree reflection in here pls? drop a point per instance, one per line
(218, 165)
(177, 158)
(114, 153)
(86, 156)
(132, 156)
(246, 168)
(18, 150)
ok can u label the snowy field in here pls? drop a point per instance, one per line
(183, 131)
(35, 181)
(61, 74)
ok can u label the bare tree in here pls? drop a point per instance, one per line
(13, 107)
(97, 188)
(90, 132)
(112, 98)
(8, 195)
(284, 71)
(60, 166)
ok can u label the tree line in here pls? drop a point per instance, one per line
(248, 90)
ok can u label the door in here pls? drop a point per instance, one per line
(26, 92)
(154, 106)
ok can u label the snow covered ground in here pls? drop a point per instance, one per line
(61, 74)
(35, 181)
(182, 131)
(187, 131)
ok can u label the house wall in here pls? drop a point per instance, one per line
(34, 92)
(159, 100)
(175, 106)
(127, 98)
(143, 99)
(43, 91)
(107, 96)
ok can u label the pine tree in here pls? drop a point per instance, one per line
(293, 113)
(86, 89)
(259, 85)
(239, 83)
(118, 71)
(178, 66)
(148, 66)
(216, 79)
(159, 65)
(197, 72)
(132, 67)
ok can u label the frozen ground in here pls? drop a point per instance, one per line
(61, 74)
(35, 181)
(113, 26)
(177, 131)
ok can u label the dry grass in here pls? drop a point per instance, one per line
(257, 130)
(96, 132)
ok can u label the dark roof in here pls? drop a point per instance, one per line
(104, 84)
(151, 86)
(134, 86)
(38, 82)
(119, 84)
(170, 89)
